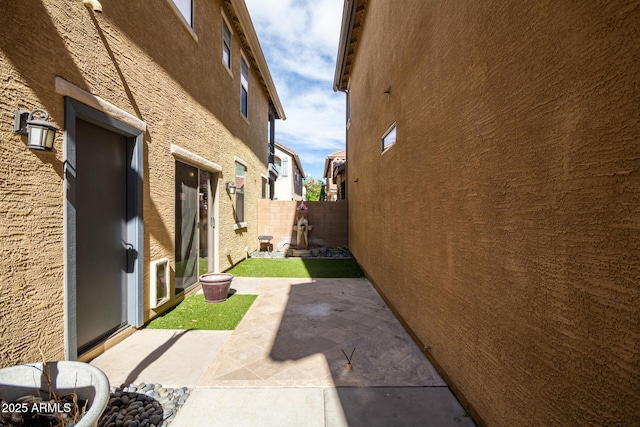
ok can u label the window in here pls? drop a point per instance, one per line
(185, 7)
(240, 173)
(244, 89)
(389, 138)
(226, 44)
(278, 163)
(285, 167)
(265, 187)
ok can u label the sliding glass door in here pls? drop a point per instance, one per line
(207, 222)
(194, 223)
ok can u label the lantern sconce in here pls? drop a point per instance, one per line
(93, 5)
(41, 133)
(231, 188)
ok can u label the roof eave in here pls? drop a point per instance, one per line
(292, 153)
(325, 173)
(241, 11)
(297, 160)
(348, 17)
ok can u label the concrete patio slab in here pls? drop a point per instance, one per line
(245, 285)
(173, 358)
(284, 363)
(393, 406)
(168, 357)
(241, 407)
(296, 331)
(331, 407)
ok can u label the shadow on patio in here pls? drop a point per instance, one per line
(328, 317)
(295, 335)
(284, 363)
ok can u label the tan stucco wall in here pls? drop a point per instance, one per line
(329, 220)
(503, 225)
(139, 57)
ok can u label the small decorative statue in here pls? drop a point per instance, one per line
(302, 227)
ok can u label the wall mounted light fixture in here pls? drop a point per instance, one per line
(231, 188)
(41, 133)
(93, 5)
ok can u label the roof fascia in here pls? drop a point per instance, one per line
(348, 17)
(326, 167)
(296, 158)
(241, 11)
(291, 154)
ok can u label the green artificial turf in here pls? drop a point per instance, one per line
(297, 267)
(195, 313)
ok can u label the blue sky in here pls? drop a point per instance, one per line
(299, 39)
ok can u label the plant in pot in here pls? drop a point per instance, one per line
(48, 394)
(215, 286)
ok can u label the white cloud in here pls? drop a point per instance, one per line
(326, 25)
(300, 41)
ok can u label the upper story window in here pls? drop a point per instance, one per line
(244, 88)
(285, 167)
(278, 164)
(389, 138)
(185, 7)
(226, 44)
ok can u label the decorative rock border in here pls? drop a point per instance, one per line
(143, 405)
(322, 253)
(265, 254)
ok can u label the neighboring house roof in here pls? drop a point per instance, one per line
(341, 155)
(352, 21)
(239, 15)
(291, 153)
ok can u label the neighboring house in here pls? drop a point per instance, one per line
(162, 109)
(335, 176)
(494, 196)
(288, 186)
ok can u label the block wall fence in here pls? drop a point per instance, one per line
(329, 220)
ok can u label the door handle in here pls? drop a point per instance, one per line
(132, 256)
(213, 222)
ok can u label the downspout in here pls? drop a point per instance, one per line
(272, 151)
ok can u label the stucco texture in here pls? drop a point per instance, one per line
(140, 58)
(329, 220)
(502, 226)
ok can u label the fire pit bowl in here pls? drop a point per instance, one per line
(87, 382)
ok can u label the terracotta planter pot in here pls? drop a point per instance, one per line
(215, 286)
(86, 381)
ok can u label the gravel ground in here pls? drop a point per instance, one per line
(341, 253)
(143, 405)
